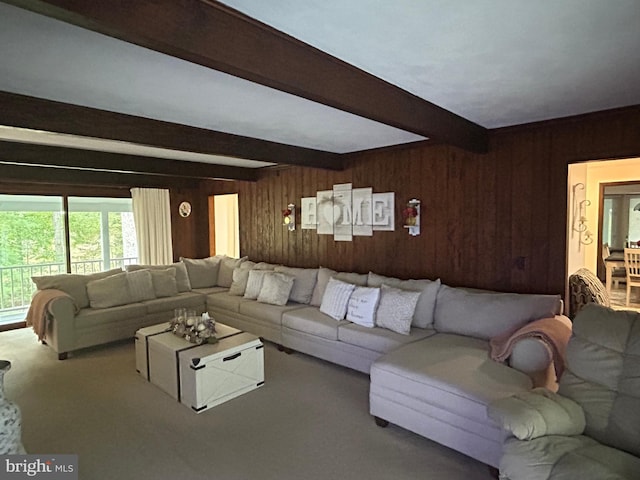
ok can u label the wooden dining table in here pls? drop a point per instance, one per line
(613, 261)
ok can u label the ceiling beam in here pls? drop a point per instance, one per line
(32, 154)
(38, 114)
(215, 36)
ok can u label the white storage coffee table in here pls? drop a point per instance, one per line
(200, 376)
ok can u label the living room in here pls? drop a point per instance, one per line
(495, 220)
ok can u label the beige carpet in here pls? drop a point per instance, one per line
(309, 421)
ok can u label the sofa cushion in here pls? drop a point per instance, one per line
(265, 312)
(182, 277)
(312, 321)
(396, 308)
(453, 372)
(91, 318)
(226, 301)
(168, 304)
(276, 288)
(109, 291)
(423, 314)
(485, 315)
(164, 282)
(203, 272)
(362, 306)
(227, 265)
(140, 285)
(603, 361)
(324, 274)
(210, 290)
(72, 284)
(379, 339)
(336, 298)
(304, 282)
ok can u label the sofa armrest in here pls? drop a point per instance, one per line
(60, 334)
(537, 413)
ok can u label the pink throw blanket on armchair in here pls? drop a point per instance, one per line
(553, 332)
(38, 314)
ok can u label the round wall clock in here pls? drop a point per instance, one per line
(184, 209)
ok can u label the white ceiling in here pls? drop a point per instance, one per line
(494, 62)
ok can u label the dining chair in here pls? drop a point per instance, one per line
(632, 265)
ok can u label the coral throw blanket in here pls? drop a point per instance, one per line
(38, 314)
(554, 333)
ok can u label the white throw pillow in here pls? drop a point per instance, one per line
(395, 310)
(336, 298)
(362, 306)
(254, 283)
(304, 281)
(276, 288)
(109, 292)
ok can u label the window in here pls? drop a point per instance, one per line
(33, 242)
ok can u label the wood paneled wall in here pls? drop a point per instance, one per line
(492, 221)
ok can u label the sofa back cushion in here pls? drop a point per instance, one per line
(485, 315)
(324, 274)
(423, 314)
(182, 277)
(109, 292)
(72, 284)
(602, 374)
(304, 281)
(203, 272)
(227, 265)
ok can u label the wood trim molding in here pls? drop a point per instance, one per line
(32, 154)
(213, 35)
(39, 114)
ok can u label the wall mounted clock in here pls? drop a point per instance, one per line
(184, 209)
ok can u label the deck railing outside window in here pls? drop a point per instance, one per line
(17, 288)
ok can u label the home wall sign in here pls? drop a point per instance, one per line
(345, 212)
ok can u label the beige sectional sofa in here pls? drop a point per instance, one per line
(425, 345)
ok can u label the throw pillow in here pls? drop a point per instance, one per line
(109, 292)
(140, 285)
(164, 282)
(203, 272)
(336, 298)
(395, 311)
(254, 283)
(227, 265)
(303, 284)
(240, 279)
(362, 306)
(276, 288)
(265, 266)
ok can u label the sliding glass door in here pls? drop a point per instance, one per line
(34, 242)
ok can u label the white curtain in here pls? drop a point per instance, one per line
(152, 215)
(226, 225)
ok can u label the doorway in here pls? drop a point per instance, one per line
(224, 225)
(591, 219)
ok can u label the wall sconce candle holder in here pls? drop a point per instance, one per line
(289, 217)
(411, 215)
(579, 220)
